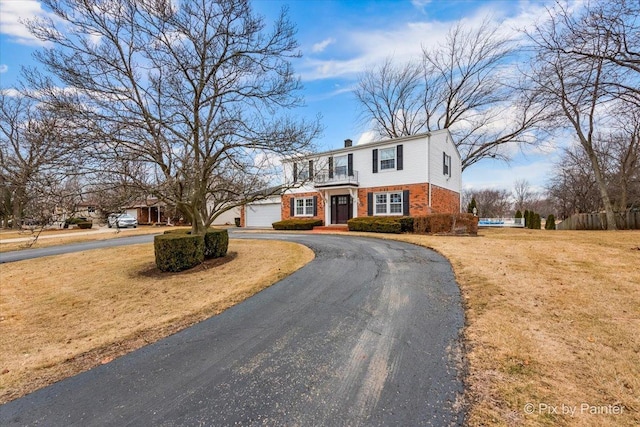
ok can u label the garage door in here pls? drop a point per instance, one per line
(262, 215)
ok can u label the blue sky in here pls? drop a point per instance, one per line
(339, 40)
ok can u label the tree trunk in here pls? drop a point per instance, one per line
(18, 207)
(602, 187)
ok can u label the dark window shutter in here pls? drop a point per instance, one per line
(375, 161)
(399, 157)
(330, 167)
(292, 207)
(405, 203)
(310, 169)
(370, 204)
(350, 164)
(315, 205)
(295, 172)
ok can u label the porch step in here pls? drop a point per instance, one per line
(331, 228)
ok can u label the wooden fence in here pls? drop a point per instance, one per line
(598, 221)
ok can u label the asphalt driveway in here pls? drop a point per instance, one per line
(366, 334)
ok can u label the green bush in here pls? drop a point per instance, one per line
(375, 224)
(178, 251)
(537, 221)
(406, 224)
(178, 231)
(527, 220)
(216, 243)
(550, 224)
(84, 224)
(74, 221)
(297, 224)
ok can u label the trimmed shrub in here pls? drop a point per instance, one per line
(178, 231)
(375, 224)
(406, 224)
(297, 224)
(537, 221)
(216, 243)
(550, 223)
(74, 221)
(526, 218)
(178, 251)
(84, 224)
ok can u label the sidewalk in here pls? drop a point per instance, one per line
(45, 235)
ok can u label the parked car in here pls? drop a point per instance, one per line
(122, 220)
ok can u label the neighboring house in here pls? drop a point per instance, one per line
(414, 175)
(89, 210)
(154, 211)
(148, 211)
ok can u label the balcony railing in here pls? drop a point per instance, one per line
(324, 179)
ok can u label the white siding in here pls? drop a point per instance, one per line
(228, 217)
(414, 168)
(422, 163)
(439, 145)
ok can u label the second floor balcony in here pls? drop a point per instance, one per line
(335, 178)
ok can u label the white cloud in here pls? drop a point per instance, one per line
(4, 68)
(14, 12)
(404, 42)
(320, 47)
(11, 92)
(366, 137)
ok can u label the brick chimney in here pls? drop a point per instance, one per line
(348, 143)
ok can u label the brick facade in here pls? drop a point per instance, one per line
(243, 216)
(442, 200)
(289, 198)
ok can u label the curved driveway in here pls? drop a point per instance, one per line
(366, 334)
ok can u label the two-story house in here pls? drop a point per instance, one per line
(413, 175)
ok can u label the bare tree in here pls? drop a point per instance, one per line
(194, 92)
(523, 194)
(492, 203)
(34, 151)
(619, 150)
(392, 96)
(572, 187)
(581, 87)
(464, 85)
(615, 21)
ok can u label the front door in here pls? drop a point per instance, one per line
(341, 209)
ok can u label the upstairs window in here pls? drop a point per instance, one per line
(303, 171)
(388, 158)
(446, 164)
(340, 165)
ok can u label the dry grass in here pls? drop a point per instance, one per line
(553, 318)
(55, 237)
(62, 315)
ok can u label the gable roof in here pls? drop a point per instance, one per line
(373, 144)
